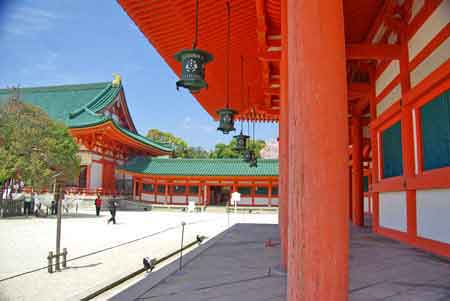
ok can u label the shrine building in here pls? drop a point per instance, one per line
(98, 118)
(206, 182)
(117, 160)
(358, 88)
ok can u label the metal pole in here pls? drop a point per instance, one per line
(64, 263)
(181, 249)
(58, 228)
(50, 262)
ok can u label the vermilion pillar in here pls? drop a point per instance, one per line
(283, 144)
(357, 173)
(318, 155)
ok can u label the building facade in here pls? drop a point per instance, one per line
(207, 182)
(98, 118)
(358, 88)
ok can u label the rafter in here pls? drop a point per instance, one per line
(372, 52)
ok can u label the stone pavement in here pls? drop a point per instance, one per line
(238, 266)
(25, 243)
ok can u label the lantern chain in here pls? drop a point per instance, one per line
(228, 54)
(194, 43)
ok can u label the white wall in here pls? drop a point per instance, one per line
(179, 199)
(438, 57)
(433, 214)
(148, 197)
(245, 201)
(367, 205)
(195, 199)
(392, 97)
(161, 198)
(96, 175)
(275, 201)
(261, 201)
(393, 210)
(435, 23)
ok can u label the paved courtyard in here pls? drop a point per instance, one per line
(25, 243)
(237, 266)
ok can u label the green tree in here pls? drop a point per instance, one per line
(33, 147)
(222, 150)
(181, 147)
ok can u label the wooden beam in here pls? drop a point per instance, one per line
(372, 52)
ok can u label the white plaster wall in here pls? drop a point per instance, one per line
(416, 7)
(275, 201)
(388, 75)
(435, 23)
(366, 204)
(393, 96)
(148, 197)
(261, 201)
(245, 201)
(393, 210)
(379, 34)
(161, 198)
(96, 157)
(438, 57)
(179, 199)
(96, 178)
(195, 199)
(433, 214)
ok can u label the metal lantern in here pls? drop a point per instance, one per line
(193, 63)
(249, 155)
(241, 142)
(254, 162)
(226, 123)
(193, 69)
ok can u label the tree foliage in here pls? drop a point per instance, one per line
(183, 150)
(181, 147)
(33, 147)
(222, 150)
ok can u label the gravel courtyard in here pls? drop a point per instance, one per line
(25, 243)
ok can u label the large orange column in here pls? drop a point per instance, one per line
(283, 144)
(357, 173)
(318, 155)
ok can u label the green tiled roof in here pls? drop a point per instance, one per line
(78, 106)
(199, 167)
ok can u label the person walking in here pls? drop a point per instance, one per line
(27, 205)
(98, 204)
(112, 210)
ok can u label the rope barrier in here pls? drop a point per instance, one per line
(100, 251)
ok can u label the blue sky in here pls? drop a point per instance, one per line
(48, 42)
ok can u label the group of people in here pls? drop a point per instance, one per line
(112, 206)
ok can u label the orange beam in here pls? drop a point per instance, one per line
(372, 52)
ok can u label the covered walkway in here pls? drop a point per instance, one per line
(237, 265)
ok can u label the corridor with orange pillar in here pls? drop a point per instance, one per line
(361, 93)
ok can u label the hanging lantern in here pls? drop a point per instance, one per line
(254, 162)
(226, 123)
(241, 142)
(249, 155)
(193, 63)
(193, 69)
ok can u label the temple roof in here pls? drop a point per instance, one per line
(199, 167)
(79, 106)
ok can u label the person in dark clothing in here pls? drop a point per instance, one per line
(98, 204)
(27, 206)
(112, 210)
(54, 208)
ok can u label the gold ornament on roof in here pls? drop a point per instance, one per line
(117, 80)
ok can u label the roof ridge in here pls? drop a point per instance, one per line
(86, 86)
(85, 107)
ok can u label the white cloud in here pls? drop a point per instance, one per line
(23, 20)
